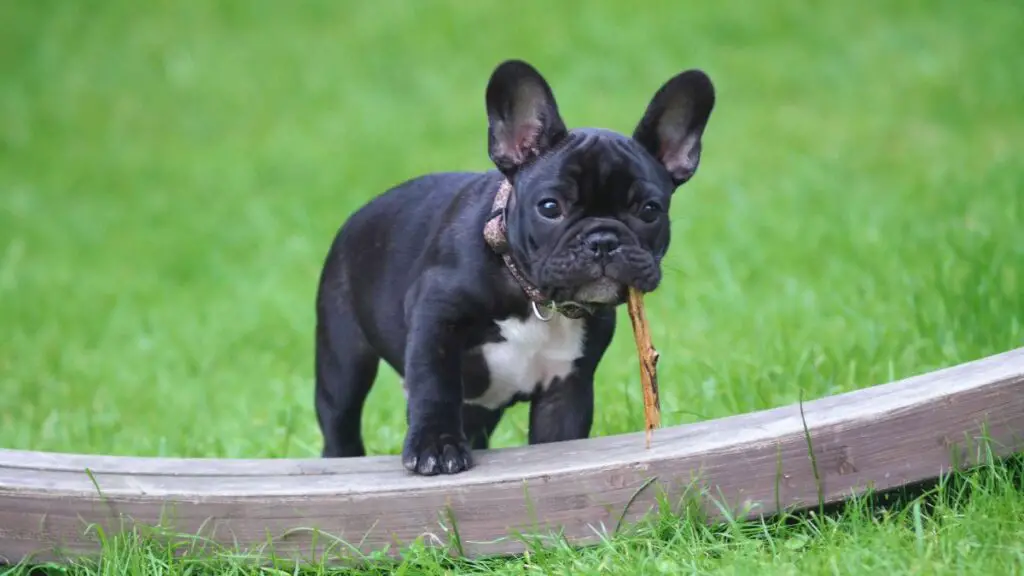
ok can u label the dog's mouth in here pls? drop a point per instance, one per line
(597, 267)
(603, 290)
(600, 283)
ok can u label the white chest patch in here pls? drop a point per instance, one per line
(533, 354)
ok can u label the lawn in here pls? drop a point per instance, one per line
(171, 175)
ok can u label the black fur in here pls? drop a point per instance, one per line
(410, 280)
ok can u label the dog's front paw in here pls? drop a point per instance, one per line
(430, 452)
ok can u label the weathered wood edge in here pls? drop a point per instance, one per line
(752, 464)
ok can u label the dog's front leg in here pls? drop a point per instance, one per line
(565, 411)
(435, 442)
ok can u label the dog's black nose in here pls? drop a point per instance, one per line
(602, 243)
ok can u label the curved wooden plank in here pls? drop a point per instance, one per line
(880, 437)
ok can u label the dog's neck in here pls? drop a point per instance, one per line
(496, 236)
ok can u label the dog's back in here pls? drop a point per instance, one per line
(399, 226)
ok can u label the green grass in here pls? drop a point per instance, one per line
(171, 176)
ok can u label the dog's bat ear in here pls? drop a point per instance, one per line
(673, 124)
(522, 116)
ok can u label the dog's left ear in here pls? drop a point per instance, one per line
(673, 124)
(523, 118)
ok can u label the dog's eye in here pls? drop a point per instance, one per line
(549, 209)
(649, 211)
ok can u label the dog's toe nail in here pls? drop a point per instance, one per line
(452, 465)
(456, 459)
(428, 466)
(410, 463)
(429, 455)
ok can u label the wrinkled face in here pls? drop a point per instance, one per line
(591, 218)
(588, 216)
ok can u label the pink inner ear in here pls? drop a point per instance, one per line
(674, 154)
(665, 146)
(525, 139)
(674, 142)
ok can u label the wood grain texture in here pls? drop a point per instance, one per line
(755, 463)
(648, 357)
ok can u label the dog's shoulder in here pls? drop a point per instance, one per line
(428, 220)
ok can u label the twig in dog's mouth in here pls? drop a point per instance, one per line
(648, 357)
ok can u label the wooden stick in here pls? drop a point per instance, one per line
(648, 357)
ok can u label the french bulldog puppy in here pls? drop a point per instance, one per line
(482, 289)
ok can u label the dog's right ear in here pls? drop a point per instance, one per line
(522, 116)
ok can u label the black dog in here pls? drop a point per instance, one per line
(485, 289)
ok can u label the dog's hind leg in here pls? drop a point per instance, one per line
(346, 367)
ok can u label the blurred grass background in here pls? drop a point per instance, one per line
(171, 175)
